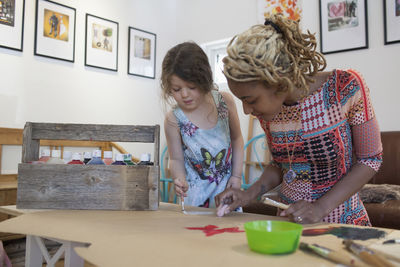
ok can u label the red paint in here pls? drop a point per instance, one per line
(210, 230)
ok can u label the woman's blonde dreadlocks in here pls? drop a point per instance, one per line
(277, 53)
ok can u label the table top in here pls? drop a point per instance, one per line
(156, 238)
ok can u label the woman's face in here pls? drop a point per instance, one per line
(257, 98)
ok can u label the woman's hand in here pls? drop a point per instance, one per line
(229, 200)
(304, 212)
(181, 187)
(234, 182)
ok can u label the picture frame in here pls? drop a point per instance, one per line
(12, 15)
(391, 14)
(141, 53)
(101, 43)
(343, 25)
(55, 31)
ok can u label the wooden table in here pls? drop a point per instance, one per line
(159, 238)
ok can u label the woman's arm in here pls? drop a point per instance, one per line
(236, 141)
(176, 160)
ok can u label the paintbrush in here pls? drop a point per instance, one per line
(385, 255)
(392, 241)
(366, 254)
(334, 256)
(274, 203)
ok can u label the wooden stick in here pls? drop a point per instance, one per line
(385, 255)
(274, 203)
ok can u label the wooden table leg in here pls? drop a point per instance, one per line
(36, 251)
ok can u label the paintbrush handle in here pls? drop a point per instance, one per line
(274, 203)
(345, 259)
(372, 259)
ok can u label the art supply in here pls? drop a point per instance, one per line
(44, 155)
(108, 158)
(76, 159)
(274, 203)
(145, 159)
(345, 232)
(87, 156)
(366, 254)
(119, 160)
(392, 241)
(96, 158)
(386, 255)
(192, 212)
(335, 256)
(55, 158)
(128, 159)
(67, 156)
(183, 205)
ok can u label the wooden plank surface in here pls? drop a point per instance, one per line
(159, 238)
(93, 132)
(57, 186)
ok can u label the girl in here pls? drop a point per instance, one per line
(203, 134)
(313, 121)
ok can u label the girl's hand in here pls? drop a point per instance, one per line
(234, 182)
(304, 212)
(181, 186)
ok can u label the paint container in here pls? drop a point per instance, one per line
(128, 159)
(87, 156)
(96, 158)
(76, 159)
(108, 158)
(145, 159)
(119, 160)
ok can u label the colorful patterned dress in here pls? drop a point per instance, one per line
(207, 155)
(321, 133)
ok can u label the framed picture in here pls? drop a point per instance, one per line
(12, 24)
(101, 48)
(141, 53)
(343, 25)
(391, 15)
(55, 30)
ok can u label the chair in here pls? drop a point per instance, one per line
(250, 149)
(166, 184)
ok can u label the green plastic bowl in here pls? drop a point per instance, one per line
(273, 237)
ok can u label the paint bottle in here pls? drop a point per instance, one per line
(108, 157)
(67, 156)
(44, 155)
(87, 156)
(119, 160)
(145, 159)
(128, 159)
(96, 158)
(55, 158)
(76, 159)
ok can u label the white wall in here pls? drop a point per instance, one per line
(39, 89)
(34, 88)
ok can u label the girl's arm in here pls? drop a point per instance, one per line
(176, 161)
(236, 141)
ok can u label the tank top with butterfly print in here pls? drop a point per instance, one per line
(207, 155)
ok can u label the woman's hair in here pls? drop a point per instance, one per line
(276, 53)
(189, 62)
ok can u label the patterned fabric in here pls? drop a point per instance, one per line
(322, 131)
(207, 155)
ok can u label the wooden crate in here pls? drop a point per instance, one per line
(58, 186)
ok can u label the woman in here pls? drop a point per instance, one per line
(313, 121)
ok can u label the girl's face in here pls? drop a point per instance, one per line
(257, 98)
(186, 94)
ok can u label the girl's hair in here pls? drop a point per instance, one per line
(189, 62)
(276, 53)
